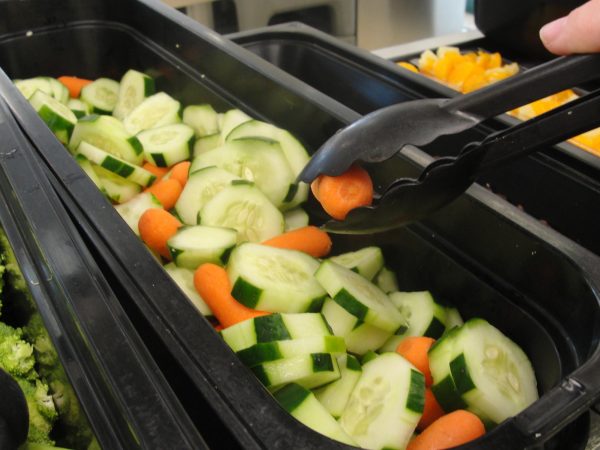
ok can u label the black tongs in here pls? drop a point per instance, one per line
(381, 134)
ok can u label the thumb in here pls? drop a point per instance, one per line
(579, 32)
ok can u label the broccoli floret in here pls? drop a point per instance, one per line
(16, 355)
(42, 413)
(45, 354)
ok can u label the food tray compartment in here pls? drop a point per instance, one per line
(120, 391)
(564, 174)
(523, 279)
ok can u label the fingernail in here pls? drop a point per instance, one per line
(552, 30)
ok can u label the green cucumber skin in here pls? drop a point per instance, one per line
(350, 304)
(353, 364)
(460, 374)
(322, 362)
(435, 329)
(270, 328)
(416, 395)
(447, 395)
(291, 396)
(259, 353)
(246, 293)
(116, 166)
(54, 121)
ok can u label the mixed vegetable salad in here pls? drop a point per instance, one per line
(214, 196)
(472, 70)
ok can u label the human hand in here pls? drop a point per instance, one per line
(579, 32)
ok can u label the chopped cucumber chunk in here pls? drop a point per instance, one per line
(245, 208)
(101, 95)
(301, 404)
(274, 279)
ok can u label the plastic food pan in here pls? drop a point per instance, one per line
(480, 253)
(122, 395)
(562, 175)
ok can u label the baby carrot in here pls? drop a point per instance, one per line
(451, 430)
(167, 192)
(156, 227)
(180, 172)
(338, 195)
(213, 285)
(414, 349)
(74, 84)
(158, 172)
(309, 239)
(432, 411)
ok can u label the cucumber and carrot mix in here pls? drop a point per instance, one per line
(213, 195)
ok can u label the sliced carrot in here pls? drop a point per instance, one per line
(180, 172)
(156, 227)
(451, 430)
(414, 349)
(338, 195)
(309, 239)
(213, 285)
(74, 84)
(432, 411)
(158, 172)
(167, 192)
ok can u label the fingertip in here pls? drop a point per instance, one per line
(550, 34)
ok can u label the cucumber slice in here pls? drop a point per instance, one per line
(108, 134)
(275, 327)
(302, 405)
(386, 280)
(294, 151)
(334, 397)
(59, 90)
(274, 279)
(101, 95)
(256, 160)
(79, 108)
(491, 372)
(132, 210)
(184, 278)
(134, 88)
(206, 143)
(386, 403)
(59, 118)
(443, 387)
(295, 218)
(244, 207)
(360, 337)
(359, 296)
(424, 316)
(230, 120)
(202, 118)
(271, 351)
(366, 262)
(309, 371)
(116, 188)
(201, 186)
(86, 165)
(29, 86)
(116, 165)
(453, 318)
(167, 145)
(155, 111)
(198, 244)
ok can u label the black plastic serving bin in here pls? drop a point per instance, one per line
(126, 400)
(563, 175)
(480, 253)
